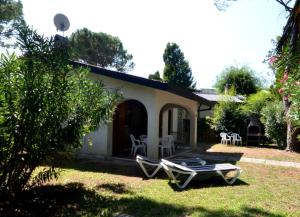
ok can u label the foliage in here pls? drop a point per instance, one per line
(287, 71)
(242, 79)
(10, 13)
(255, 102)
(294, 90)
(227, 116)
(286, 64)
(155, 76)
(177, 70)
(46, 106)
(289, 86)
(100, 49)
(274, 121)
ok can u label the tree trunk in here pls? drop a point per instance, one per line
(292, 143)
(289, 141)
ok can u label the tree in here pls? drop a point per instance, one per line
(100, 49)
(286, 68)
(256, 102)
(177, 70)
(227, 116)
(155, 76)
(287, 50)
(286, 64)
(46, 106)
(242, 79)
(10, 13)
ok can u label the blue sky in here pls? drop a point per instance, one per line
(211, 40)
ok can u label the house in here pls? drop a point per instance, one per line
(150, 107)
(213, 98)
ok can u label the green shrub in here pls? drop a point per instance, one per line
(227, 116)
(272, 116)
(45, 107)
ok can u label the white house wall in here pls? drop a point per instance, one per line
(96, 142)
(165, 117)
(153, 100)
(175, 121)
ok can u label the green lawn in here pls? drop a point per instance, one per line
(106, 189)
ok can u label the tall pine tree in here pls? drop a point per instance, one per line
(10, 13)
(177, 70)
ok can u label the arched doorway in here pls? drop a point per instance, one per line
(176, 120)
(130, 118)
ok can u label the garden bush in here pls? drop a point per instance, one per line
(273, 118)
(227, 116)
(46, 106)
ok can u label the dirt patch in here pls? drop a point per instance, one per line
(252, 152)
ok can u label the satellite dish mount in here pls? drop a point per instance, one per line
(61, 22)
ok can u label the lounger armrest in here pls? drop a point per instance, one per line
(143, 160)
(171, 167)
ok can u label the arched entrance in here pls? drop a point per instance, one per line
(176, 120)
(130, 118)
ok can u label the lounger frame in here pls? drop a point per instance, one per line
(175, 170)
(156, 165)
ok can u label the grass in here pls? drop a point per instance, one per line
(252, 152)
(103, 188)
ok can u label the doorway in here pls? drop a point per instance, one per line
(130, 118)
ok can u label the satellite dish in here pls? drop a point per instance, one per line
(61, 22)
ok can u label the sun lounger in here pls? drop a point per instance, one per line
(144, 161)
(155, 166)
(174, 171)
(188, 161)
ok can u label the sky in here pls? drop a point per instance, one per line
(211, 40)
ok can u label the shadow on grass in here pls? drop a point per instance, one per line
(115, 188)
(57, 200)
(208, 181)
(118, 167)
(75, 200)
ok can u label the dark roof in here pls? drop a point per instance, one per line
(143, 81)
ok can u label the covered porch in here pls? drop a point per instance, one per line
(163, 115)
(151, 108)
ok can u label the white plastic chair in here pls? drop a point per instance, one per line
(143, 138)
(171, 141)
(225, 138)
(236, 138)
(165, 143)
(137, 144)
